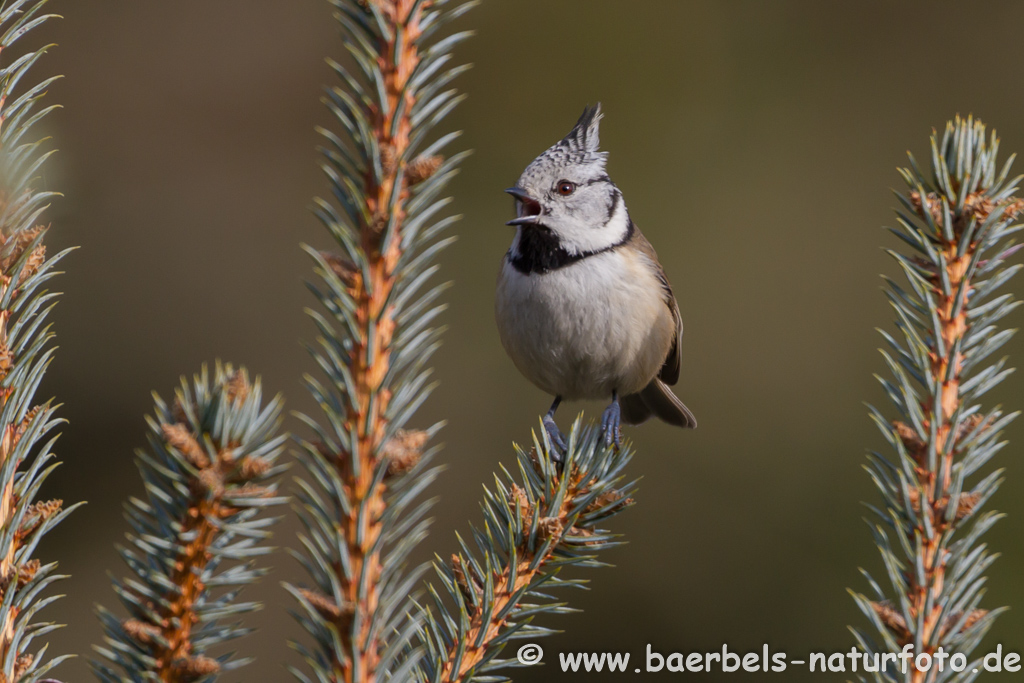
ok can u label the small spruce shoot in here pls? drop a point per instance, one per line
(954, 224)
(377, 324)
(546, 519)
(196, 536)
(26, 427)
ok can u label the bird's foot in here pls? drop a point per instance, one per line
(556, 437)
(611, 419)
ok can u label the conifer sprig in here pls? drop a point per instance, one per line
(535, 525)
(26, 427)
(955, 224)
(377, 325)
(195, 539)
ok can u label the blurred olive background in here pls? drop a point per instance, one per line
(755, 143)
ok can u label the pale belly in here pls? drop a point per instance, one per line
(585, 330)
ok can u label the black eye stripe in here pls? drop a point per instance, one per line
(616, 198)
(595, 181)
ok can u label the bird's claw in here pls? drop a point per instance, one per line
(556, 437)
(611, 419)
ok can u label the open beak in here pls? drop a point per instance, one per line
(527, 208)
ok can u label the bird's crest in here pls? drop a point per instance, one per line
(583, 141)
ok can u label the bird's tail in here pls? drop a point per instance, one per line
(658, 400)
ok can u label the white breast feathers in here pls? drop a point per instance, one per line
(594, 326)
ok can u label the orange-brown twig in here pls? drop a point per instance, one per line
(947, 321)
(952, 310)
(13, 575)
(175, 661)
(22, 361)
(385, 182)
(212, 451)
(530, 566)
(371, 353)
(531, 532)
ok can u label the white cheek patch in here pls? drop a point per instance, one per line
(579, 235)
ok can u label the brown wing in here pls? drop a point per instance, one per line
(670, 369)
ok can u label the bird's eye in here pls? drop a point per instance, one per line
(565, 188)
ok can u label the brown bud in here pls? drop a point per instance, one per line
(48, 508)
(44, 509)
(404, 450)
(421, 168)
(253, 467)
(140, 630)
(522, 502)
(973, 618)
(26, 421)
(180, 438)
(250, 491)
(35, 260)
(911, 441)
(27, 572)
(965, 506)
(968, 425)
(194, 668)
(209, 481)
(236, 387)
(326, 606)
(954, 619)
(551, 527)
(891, 618)
(614, 499)
(22, 665)
(978, 205)
(1014, 207)
(227, 455)
(346, 271)
(13, 248)
(934, 205)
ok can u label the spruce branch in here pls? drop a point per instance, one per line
(378, 307)
(535, 525)
(955, 224)
(26, 438)
(195, 538)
